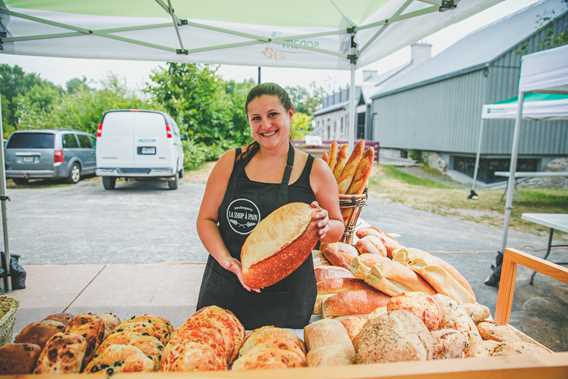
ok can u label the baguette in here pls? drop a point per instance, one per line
(395, 279)
(341, 160)
(325, 158)
(329, 272)
(336, 285)
(339, 253)
(371, 245)
(362, 173)
(353, 303)
(332, 161)
(361, 265)
(319, 302)
(348, 172)
(442, 276)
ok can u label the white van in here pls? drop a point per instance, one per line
(138, 144)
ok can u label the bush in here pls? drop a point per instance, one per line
(416, 155)
(194, 155)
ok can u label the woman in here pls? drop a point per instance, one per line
(244, 187)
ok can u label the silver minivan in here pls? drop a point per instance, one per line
(50, 153)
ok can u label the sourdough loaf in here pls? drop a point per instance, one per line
(328, 344)
(278, 245)
(339, 253)
(421, 305)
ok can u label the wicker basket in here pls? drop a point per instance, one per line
(351, 206)
(7, 321)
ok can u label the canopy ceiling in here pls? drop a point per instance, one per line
(545, 71)
(292, 33)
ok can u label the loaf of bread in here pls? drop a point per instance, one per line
(332, 155)
(489, 330)
(89, 326)
(325, 158)
(394, 337)
(38, 333)
(477, 312)
(318, 303)
(353, 324)
(268, 358)
(319, 259)
(362, 173)
(191, 356)
(339, 253)
(422, 305)
(449, 344)
(353, 303)
(278, 245)
(361, 265)
(120, 358)
(371, 245)
(18, 358)
(331, 286)
(346, 177)
(369, 231)
(273, 336)
(63, 353)
(149, 345)
(341, 161)
(328, 344)
(442, 276)
(111, 321)
(331, 272)
(394, 279)
(64, 318)
(153, 325)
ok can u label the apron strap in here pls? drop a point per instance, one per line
(283, 191)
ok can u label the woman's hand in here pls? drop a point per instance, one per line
(233, 265)
(320, 218)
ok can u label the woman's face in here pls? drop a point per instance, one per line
(269, 121)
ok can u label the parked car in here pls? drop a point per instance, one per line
(139, 144)
(50, 153)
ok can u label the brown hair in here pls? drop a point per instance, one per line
(272, 89)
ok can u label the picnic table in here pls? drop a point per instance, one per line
(553, 221)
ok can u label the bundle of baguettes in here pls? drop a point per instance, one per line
(351, 172)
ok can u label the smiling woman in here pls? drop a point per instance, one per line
(247, 185)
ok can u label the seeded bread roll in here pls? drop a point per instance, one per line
(18, 358)
(278, 245)
(339, 253)
(353, 324)
(341, 161)
(348, 172)
(449, 344)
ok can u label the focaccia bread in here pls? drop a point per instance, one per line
(394, 279)
(150, 346)
(111, 321)
(278, 245)
(273, 336)
(153, 325)
(324, 333)
(91, 327)
(191, 356)
(449, 343)
(394, 337)
(339, 253)
(64, 318)
(442, 276)
(353, 303)
(63, 354)
(18, 358)
(38, 333)
(371, 245)
(265, 358)
(331, 272)
(120, 358)
(421, 304)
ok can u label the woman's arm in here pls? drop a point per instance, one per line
(207, 228)
(324, 185)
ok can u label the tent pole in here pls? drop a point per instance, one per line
(472, 193)
(353, 129)
(3, 198)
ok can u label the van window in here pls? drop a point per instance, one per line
(85, 141)
(31, 141)
(126, 124)
(70, 141)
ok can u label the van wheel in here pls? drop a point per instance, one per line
(181, 173)
(20, 181)
(173, 183)
(74, 174)
(109, 183)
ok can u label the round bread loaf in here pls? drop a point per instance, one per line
(278, 245)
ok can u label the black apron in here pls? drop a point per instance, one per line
(288, 303)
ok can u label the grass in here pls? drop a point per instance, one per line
(440, 198)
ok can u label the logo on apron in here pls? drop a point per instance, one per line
(242, 215)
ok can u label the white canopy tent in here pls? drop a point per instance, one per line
(545, 72)
(319, 34)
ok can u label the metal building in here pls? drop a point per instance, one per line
(436, 106)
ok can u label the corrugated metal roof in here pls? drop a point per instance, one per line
(337, 106)
(478, 48)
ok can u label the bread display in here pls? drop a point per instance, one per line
(331, 272)
(421, 305)
(149, 345)
(339, 253)
(38, 333)
(371, 245)
(353, 303)
(449, 344)
(328, 344)
(394, 337)
(278, 245)
(346, 177)
(442, 276)
(63, 354)
(91, 327)
(147, 324)
(18, 358)
(362, 173)
(120, 358)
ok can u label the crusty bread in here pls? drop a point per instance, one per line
(491, 348)
(90, 326)
(332, 160)
(18, 358)
(278, 245)
(111, 321)
(361, 265)
(339, 253)
(449, 343)
(369, 231)
(63, 354)
(442, 276)
(341, 161)
(333, 355)
(393, 278)
(150, 346)
(348, 172)
(353, 324)
(161, 328)
(371, 245)
(331, 272)
(422, 305)
(38, 333)
(319, 259)
(335, 285)
(394, 337)
(64, 318)
(353, 303)
(489, 330)
(191, 356)
(362, 173)
(318, 303)
(328, 343)
(120, 358)
(477, 312)
(270, 335)
(267, 358)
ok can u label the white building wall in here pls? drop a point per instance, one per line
(331, 126)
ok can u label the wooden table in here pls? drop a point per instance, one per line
(553, 221)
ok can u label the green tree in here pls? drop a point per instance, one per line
(301, 125)
(306, 100)
(76, 85)
(33, 107)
